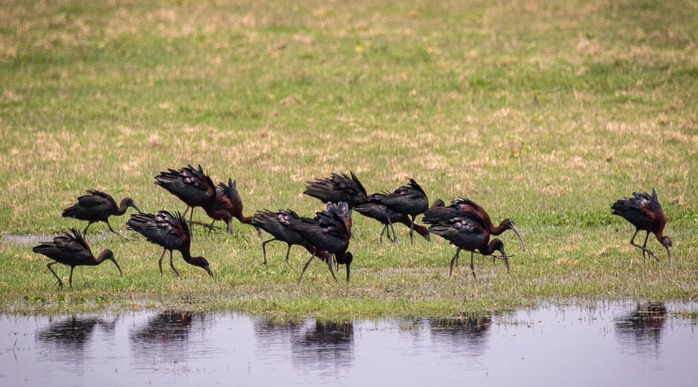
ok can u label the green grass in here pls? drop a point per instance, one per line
(544, 122)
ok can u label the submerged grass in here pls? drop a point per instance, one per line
(546, 123)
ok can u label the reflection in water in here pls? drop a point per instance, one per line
(66, 339)
(165, 337)
(327, 345)
(553, 346)
(643, 327)
(467, 335)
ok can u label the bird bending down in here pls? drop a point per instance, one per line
(466, 231)
(645, 213)
(72, 250)
(338, 188)
(380, 212)
(171, 232)
(467, 205)
(408, 199)
(269, 221)
(98, 206)
(329, 231)
(192, 186)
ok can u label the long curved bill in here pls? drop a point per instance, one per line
(118, 267)
(518, 234)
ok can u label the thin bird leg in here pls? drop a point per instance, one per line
(112, 230)
(264, 250)
(329, 265)
(59, 283)
(392, 228)
(380, 238)
(472, 267)
(305, 267)
(644, 245)
(84, 232)
(454, 259)
(172, 265)
(160, 260)
(288, 251)
(644, 249)
(412, 228)
(70, 279)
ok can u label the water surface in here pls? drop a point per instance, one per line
(638, 344)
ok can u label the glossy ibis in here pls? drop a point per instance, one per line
(98, 206)
(269, 222)
(337, 188)
(192, 186)
(374, 209)
(645, 213)
(409, 199)
(465, 230)
(72, 250)
(329, 231)
(467, 205)
(170, 231)
(228, 199)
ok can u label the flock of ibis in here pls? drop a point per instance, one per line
(462, 222)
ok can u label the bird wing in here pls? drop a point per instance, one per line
(96, 199)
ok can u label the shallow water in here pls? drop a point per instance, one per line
(609, 344)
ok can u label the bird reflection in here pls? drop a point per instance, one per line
(317, 345)
(164, 337)
(465, 333)
(67, 339)
(643, 327)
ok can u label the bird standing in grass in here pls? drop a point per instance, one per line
(338, 188)
(375, 210)
(467, 205)
(408, 199)
(329, 231)
(465, 230)
(645, 213)
(192, 186)
(171, 232)
(98, 206)
(269, 222)
(72, 250)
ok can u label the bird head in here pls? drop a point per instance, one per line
(346, 259)
(511, 226)
(498, 245)
(108, 254)
(132, 204)
(666, 242)
(202, 263)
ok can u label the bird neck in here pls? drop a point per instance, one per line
(490, 248)
(122, 207)
(496, 230)
(104, 255)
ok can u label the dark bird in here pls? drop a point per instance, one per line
(374, 209)
(329, 231)
(337, 188)
(192, 186)
(228, 205)
(72, 250)
(171, 232)
(466, 231)
(98, 206)
(467, 205)
(409, 199)
(645, 213)
(269, 222)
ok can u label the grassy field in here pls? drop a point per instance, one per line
(542, 112)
